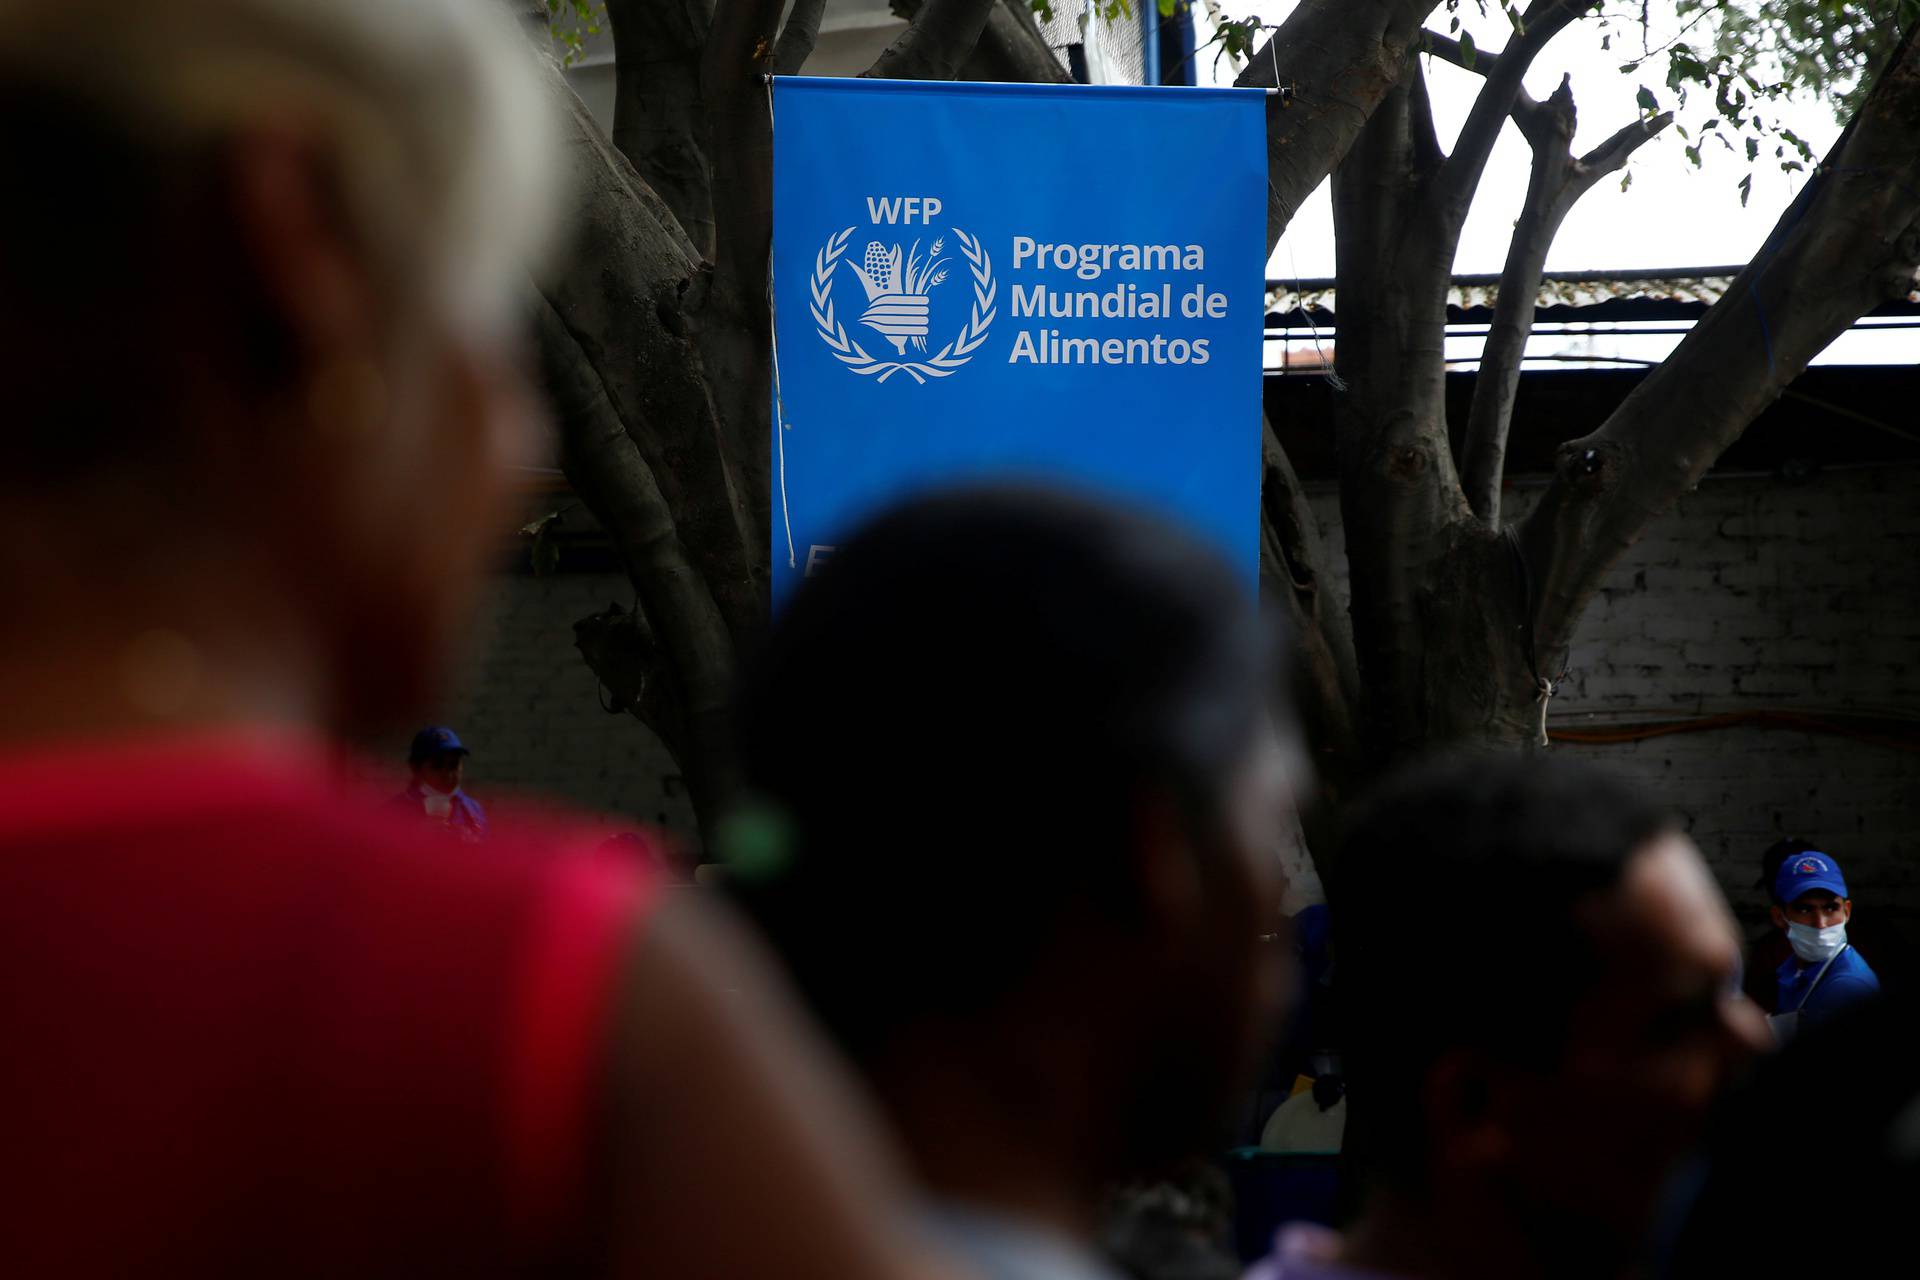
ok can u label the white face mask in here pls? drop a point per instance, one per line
(1816, 946)
(440, 805)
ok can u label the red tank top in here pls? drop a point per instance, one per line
(248, 1027)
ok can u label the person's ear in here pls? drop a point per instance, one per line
(1779, 918)
(1846, 910)
(298, 242)
(1467, 1127)
(1172, 895)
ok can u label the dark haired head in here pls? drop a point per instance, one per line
(1777, 853)
(1477, 868)
(953, 727)
(1848, 1090)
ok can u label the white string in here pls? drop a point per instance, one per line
(779, 404)
(1333, 377)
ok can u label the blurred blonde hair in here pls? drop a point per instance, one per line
(442, 136)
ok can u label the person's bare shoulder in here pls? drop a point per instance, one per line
(738, 1144)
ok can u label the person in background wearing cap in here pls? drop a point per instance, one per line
(437, 759)
(1824, 974)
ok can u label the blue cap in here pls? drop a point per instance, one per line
(1806, 873)
(435, 739)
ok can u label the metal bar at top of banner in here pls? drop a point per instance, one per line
(1285, 92)
(987, 282)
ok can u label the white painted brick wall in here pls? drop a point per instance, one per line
(530, 709)
(1759, 593)
(1751, 593)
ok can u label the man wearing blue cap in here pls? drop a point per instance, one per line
(437, 759)
(1824, 974)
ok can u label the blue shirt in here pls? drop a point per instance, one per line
(1849, 980)
(465, 817)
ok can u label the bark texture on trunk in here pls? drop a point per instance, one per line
(658, 121)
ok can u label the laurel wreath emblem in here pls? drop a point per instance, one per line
(942, 364)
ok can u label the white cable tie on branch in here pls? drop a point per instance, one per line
(1544, 697)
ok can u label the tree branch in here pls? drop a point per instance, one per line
(1447, 49)
(1460, 177)
(1327, 683)
(940, 38)
(621, 293)
(613, 479)
(1341, 58)
(739, 51)
(1399, 492)
(1612, 155)
(1012, 49)
(1556, 184)
(659, 122)
(797, 38)
(1849, 242)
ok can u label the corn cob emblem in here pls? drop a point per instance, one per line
(897, 286)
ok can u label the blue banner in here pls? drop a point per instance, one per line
(1060, 282)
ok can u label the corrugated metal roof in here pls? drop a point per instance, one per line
(1702, 285)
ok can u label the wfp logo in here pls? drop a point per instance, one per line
(900, 279)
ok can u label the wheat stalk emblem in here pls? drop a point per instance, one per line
(897, 291)
(897, 285)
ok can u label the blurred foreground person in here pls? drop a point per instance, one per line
(438, 762)
(259, 261)
(1815, 1169)
(1538, 976)
(1019, 796)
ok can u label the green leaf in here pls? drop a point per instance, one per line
(1468, 54)
(1648, 103)
(1753, 150)
(1746, 189)
(1626, 180)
